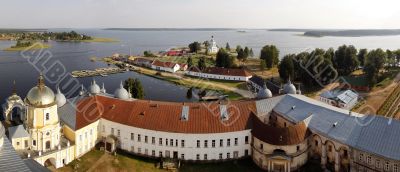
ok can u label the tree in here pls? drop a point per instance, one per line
(270, 54)
(262, 66)
(238, 47)
(241, 55)
(246, 53)
(189, 93)
(362, 55)
(189, 62)
(251, 53)
(223, 59)
(201, 64)
(195, 47)
(345, 59)
(286, 67)
(227, 47)
(373, 64)
(135, 87)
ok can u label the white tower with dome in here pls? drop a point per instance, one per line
(42, 120)
(212, 46)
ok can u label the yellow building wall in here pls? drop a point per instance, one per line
(69, 133)
(21, 141)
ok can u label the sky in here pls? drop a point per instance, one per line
(326, 14)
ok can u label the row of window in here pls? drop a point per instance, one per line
(86, 134)
(215, 76)
(182, 156)
(175, 142)
(368, 161)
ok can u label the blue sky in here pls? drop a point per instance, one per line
(343, 14)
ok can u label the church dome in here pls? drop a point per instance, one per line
(121, 93)
(94, 88)
(40, 95)
(60, 98)
(264, 93)
(289, 88)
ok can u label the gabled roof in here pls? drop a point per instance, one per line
(163, 64)
(223, 71)
(17, 132)
(344, 96)
(10, 160)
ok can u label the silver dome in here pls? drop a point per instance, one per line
(264, 93)
(289, 88)
(40, 95)
(60, 98)
(121, 93)
(94, 88)
(103, 89)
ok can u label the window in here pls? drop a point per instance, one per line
(176, 142)
(160, 141)
(160, 154)
(182, 143)
(378, 164)
(34, 142)
(17, 143)
(183, 156)
(145, 139)
(198, 157)
(221, 143)
(153, 140)
(369, 160)
(172, 142)
(284, 124)
(297, 148)
(118, 133)
(198, 143)
(153, 153)
(139, 138)
(132, 149)
(139, 150)
(246, 152)
(235, 154)
(205, 156)
(80, 137)
(112, 131)
(395, 168)
(213, 143)
(132, 136)
(330, 148)
(26, 143)
(246, 140)
(205, 143)
(386, 166)
(228, 142)
(146, 151)
(47, 116)
(228, 155)
(220, 156)
(316, 143)
(236, 141)
(361, 157)
(261, 146)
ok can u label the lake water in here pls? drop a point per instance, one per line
(75, 56)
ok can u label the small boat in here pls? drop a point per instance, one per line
(103, 75)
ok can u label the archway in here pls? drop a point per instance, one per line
(316, 146)
(50, 163)
(344, 159)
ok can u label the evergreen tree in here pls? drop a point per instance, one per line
(270, 54)
(195, 47)
(361, 56)
(189, 62)
(135, 87)
(201, 64)
(227, 47)
(251, 53)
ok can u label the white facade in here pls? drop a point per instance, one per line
(166, 69)
(212, 47)
(219, 77)
(179, 145)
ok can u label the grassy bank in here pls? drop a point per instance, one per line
(35, 46)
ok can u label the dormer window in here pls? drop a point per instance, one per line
(224, 112)
(47, 116)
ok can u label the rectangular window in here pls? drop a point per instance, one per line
(139, 138)
(236, 141)
(182, 156)
(182, 143)
(198, 157)
(246, 152)
(153, 153)
(26, 143)
(386, 166)
(378, 163)
(205, 143)
(228, 142)
(235, 154)
(221, 142)
(220, 156)
(361, 157)
(112, 131)
(369, 160)
(132, 136)
(17, 143)
(166, 142)
(172, 142)
(198, 143)
(119, 133)
(145, 139)
(160, 141)
(213, 143)
(228, 155)
(297, 148)
(395, 168)
(47, 116)
(205, 156)
(176, 142)
(34, 142)
(160, 154)
(246, 140)
(153, 140)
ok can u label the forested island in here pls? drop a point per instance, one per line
(343, 33)
(43, 35)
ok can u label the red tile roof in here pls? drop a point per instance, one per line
(163, 116)
(223, 71)
(163, 64)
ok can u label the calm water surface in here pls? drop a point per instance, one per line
(75, 56)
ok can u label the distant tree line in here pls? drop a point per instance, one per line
(62, 36)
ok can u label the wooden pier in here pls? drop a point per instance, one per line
(97, 72)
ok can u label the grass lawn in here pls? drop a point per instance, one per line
(231, 166)
(183, 59)
(96, 39)
(35, 46)
(84, 162)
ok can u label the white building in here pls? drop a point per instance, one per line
(165, 66)
(212, 46)
(346, 99)
(219, 73)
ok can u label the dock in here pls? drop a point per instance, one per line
(97, 72)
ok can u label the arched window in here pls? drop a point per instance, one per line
(47, 116)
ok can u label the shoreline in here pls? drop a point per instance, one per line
(35, 46)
